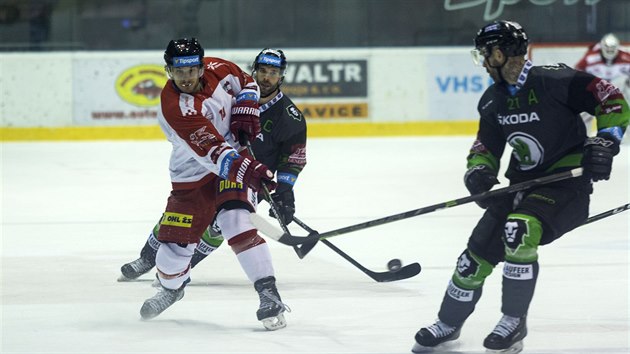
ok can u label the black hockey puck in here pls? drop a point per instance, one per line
(394, 265)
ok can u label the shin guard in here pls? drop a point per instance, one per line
(465, 288)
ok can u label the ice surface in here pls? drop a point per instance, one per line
(73, 213)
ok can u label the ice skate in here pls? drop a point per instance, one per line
(433, 338)
(271, 308)
(507, 336)
(133, 270)
(161, 301)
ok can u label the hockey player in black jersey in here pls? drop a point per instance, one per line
(535, 110)
(281, 146)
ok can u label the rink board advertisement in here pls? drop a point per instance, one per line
(109, 91)
(455, 85)
(126, 91)
(394, 85)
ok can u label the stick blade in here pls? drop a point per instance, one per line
(307, 246)
(408, 271)
(274, 232)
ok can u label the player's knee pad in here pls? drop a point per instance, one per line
(246, 240)
(234, 222)
(522, 235)
(471, 270)
(173, 264)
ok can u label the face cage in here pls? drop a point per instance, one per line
(609, 53)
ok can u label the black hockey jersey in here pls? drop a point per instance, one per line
(539, 118)
(281, 145)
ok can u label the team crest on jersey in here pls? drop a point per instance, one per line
(526, 150)
(202, 138)
(294, 112)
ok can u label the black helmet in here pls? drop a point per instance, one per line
(183, 52)
(509, 36)
(273, 57)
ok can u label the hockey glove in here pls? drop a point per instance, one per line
(479, 179)
(251, 173)
(285, 201)
(245, 122)
(598, 156)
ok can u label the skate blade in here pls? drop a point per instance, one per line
(419, 349)
(440, 348)
(514, 349)
(274, 323)
(124, 279)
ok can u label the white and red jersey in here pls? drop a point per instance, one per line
(615, 72)
(198, 125)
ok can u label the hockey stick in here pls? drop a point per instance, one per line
(405, 272)
(286, 237)
(308, 245)
(606, 214)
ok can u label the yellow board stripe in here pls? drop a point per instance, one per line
(315, 130)
(176, 219)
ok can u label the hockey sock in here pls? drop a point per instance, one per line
(519, 282)
(210, 241)
(465, 288)
(520, 271)
(150, 248)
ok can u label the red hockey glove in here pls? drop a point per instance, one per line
(252, 174)
(245, 120)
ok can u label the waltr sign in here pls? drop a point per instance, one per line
(343, 78)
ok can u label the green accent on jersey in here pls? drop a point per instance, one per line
(267, 126)
(572, 160)
(527, 250)
(613, 118)
(531, 97)
(513, 103)
(474, 281)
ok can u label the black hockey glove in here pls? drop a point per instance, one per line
(479, 179)
(598, 156)
(286, 205)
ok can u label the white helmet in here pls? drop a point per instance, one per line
(609, 46)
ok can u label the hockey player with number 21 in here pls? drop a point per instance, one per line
(207, 105)
(535, 110)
